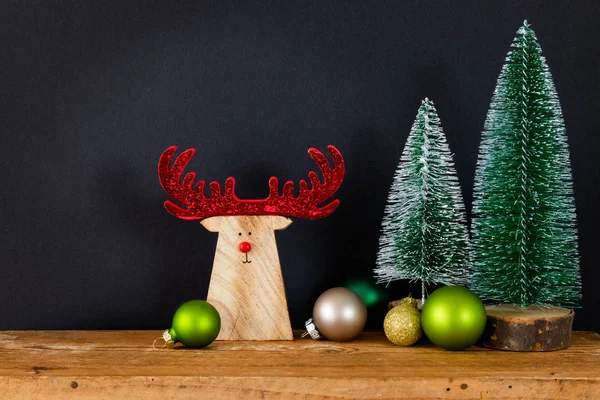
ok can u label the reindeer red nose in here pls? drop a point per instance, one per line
(245, 247)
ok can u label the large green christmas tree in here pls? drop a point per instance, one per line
(424, 231)
(524, 233)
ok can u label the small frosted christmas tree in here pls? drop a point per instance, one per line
(524, 233)
(424, 232)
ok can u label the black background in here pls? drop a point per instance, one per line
(92, 93)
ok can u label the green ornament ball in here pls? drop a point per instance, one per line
(453, 318)
(196, 323)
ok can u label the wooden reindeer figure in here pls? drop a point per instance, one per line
(246, 284)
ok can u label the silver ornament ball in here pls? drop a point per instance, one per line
(340, 314)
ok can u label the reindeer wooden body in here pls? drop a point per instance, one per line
(246, 285)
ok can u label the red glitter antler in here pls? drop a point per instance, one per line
(196, 205)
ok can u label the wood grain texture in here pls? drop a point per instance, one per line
(122, 364)
(247, 289)
(534, 328)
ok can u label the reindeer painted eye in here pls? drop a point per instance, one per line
(249, 233)
(240, 234)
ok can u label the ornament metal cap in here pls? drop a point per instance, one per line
(311, 329)
(166, 337)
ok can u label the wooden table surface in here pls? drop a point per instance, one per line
(123, 365)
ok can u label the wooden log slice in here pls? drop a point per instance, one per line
(535, 328)
(394, 303)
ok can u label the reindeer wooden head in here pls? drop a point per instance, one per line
(246, 284)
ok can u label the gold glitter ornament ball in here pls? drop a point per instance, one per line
(402, 324)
